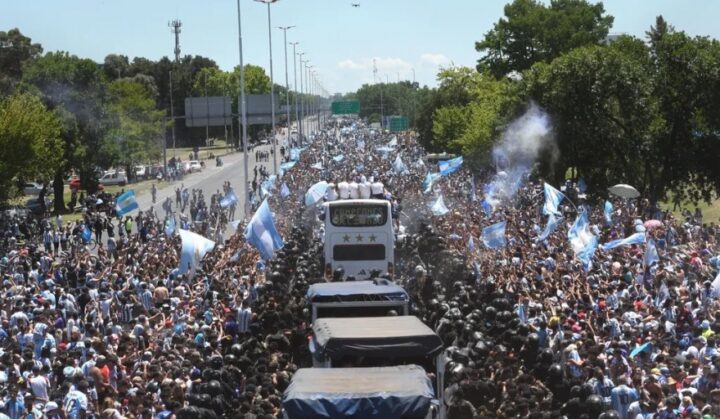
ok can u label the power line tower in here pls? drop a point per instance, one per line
(175, 26)
(374, 71)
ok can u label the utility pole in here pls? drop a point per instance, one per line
(287, 83)
(272, 86)
(207, 113)
(295, 86)
(172, 112)
(301, 98)
(243, 112)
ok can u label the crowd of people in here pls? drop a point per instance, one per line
(529, 330)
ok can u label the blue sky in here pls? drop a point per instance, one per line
(340, 40)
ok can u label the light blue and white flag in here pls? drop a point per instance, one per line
(294, 154)
(229, 199)
(194, 248)
(637, 238)
(399, 167)
(493, 236)
(439, 208)
(607, 212)
(361, 145)
(553, 197)
(582, 241)
(581, 185)
(86, 234)
(317, 165)
(486, 207)
(261, 232)
(471, 245)
(284, 191)
(287, 166)
(339, 158)
(169, 226)
(126, 203)
(651, 254)
(430, 178)
(549, 227)
(450, 166)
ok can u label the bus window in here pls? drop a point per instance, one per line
(345, 252)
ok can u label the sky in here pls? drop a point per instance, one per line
(407, 39)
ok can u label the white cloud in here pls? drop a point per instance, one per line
(435, 59)
(350, 65)
(387, 64)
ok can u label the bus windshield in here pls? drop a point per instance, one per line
(367, 215)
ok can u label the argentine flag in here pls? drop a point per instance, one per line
(582, 241)
(553, 197)
(450, 166)
(126, 203)
(261, 232)
(439, 208)
(494, 236)
(637, 238)
(194, 248)
(229, 199)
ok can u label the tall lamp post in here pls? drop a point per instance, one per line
(295, 87)
(287, 83)
(243, 112)
(309, 98)
(301, 99)
(272, 84)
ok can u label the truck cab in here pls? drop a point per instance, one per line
(357, 299)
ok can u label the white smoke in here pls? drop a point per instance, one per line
(522, 142)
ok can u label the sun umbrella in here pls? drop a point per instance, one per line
(653, 224)
(624, 191)
(316, 193)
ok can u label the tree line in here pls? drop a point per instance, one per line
(643, 111)
(62, 114)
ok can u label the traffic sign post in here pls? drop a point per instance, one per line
(398, 123)
(345, 107)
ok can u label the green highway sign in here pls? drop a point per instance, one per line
(398, 123)
(346, 107)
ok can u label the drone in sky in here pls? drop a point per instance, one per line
(355, 4)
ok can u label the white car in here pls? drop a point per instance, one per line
(117, 178)
(141, 172)
(32, 188)
(194, 166)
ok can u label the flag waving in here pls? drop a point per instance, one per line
(450, 166)
(583, 242)
(126, 203)
(229, 199)
(494, 236)
(637, 238)
(553, 197)
(194, 248)
(261, 232)
(439, 208)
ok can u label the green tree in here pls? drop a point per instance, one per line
(75, 89)
(16, 52)
(137, 127)
(476, 105)
(531, 32)
(603, 113)
(30, 144)
(116, 66)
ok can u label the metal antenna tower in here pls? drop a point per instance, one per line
(175, 26)
(374, 71)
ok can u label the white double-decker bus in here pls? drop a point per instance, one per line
(359, 237)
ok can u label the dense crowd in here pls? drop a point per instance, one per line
(119, 332)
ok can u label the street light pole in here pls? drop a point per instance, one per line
(243, 112)
(295, 86)
(287, 83)
(309, 96)
(301, 128)
(272, 85)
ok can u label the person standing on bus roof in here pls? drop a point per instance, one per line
(377, 189)
(354, 190)
(364, 188)
(331, 193)
(344, 190)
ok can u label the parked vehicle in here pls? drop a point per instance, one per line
(141, 172)
(35, 206)
(117, 178)
(194, 166)
(32, 188)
